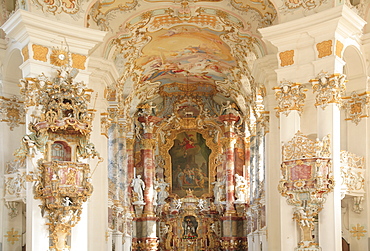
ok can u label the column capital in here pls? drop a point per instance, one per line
(290, 96)
(329, 88)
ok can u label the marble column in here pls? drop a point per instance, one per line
(148, 221)
(230, 234)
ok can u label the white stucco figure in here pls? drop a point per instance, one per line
(178, 204)
(138, 186)
(240, 188)
(217, 190)
(201, 204)
(162, 193)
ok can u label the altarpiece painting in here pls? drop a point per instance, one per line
(190, 164)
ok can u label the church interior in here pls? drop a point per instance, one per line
(129, 125)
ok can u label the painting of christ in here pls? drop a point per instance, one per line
(190, 164)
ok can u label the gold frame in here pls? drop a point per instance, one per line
(190, 124)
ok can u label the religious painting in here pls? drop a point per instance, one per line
(186, 54)
(190, 225)
(190, 164)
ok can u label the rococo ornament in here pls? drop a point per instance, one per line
(353, 178)
(329, 89)
(290, 96)
(12, 111)
(357, 106)
(306, 179)
(58, 141)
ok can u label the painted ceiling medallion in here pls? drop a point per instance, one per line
(59, 57)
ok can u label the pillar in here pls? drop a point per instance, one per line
(230, 232)
(306, 47)
(36, 38)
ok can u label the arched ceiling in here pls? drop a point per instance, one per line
(166, 48)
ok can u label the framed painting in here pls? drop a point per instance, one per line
(190, 163)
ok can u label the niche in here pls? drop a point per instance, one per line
(60, 151)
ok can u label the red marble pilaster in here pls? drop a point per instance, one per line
(230, 171)
(147, 157)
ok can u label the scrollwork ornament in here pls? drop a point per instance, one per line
(352, 176)
(12, 111)
(292, 5)
(290, 96)
(300, 147)
(59, 6)
(329, 89)
(357, 106)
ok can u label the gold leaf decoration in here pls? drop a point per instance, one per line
(59, 57)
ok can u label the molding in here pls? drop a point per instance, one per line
(25, 27)
(103, 69)
(322, 26)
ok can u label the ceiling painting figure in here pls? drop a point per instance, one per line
(185, 54)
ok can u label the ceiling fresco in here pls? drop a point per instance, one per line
(185, 54)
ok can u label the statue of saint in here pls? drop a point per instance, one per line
(138, 186)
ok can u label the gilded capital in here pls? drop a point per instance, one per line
(329, 89)
(130, 143)
(290, 96)
(356, 106)
(148, 143)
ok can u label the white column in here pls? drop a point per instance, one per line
(109, 241)
(289, 126)
(79, 233)
(127, 243)
(330, 221)
(27, 29)
(117, 239)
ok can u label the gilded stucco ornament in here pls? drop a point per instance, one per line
(352, 171)
(324, 48)
(357, 106)
(306, 179)
(290, 96)
(329, 89)
(59, 140)
(286, 58)
(59, 57)
(12, 111)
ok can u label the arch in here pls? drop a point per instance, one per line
(354, 69)
(12, 72)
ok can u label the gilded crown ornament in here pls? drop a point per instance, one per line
(59, 140)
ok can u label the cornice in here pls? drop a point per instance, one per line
(339, 20)
(25, 27)
(103, 69)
